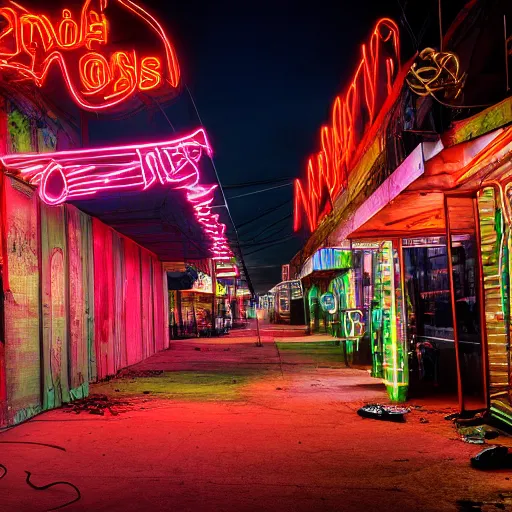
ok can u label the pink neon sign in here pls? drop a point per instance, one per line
(84, 173)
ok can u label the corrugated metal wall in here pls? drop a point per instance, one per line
(82, 302)
(495, 262)
(129, 302)
(21, 303)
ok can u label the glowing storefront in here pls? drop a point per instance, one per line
(434, 199)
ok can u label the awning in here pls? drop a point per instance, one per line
(326, 259)
(418, 210)
(410, 170)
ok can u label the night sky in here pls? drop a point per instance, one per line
(263, 75)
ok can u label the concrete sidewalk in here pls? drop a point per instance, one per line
(223, 425)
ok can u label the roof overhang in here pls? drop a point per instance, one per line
(418, 210)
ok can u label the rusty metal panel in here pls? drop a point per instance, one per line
(22, 307)
(119, 341)
(104, 294)
(78, 298)
(88, 280)
(159, 306)
(54, 302)
(148, 341)
(134, 302)
(494, 262)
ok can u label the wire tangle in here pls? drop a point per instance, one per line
(438, 72)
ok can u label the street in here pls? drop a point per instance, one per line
(223, 425)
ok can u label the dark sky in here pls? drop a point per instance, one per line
(263, 75)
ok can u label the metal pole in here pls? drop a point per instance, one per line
(440, 26)
(506, 51)
(258, 343)
(460, 393)
(481, 298)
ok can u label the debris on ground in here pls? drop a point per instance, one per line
(494, 457)
(97, 404)
(477, 434)
(424, 420)
(133, 374)
(501, 502)
(383, 412)
(475, 419)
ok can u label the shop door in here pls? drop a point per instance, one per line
(466, 300)
(314, 309)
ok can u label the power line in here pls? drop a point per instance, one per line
(264, 213)
(248, 184)
(268, 242)
(261, 191)
(269, 226)
(249, 283)
(266, 247)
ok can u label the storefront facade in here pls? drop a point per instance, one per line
(436, 304)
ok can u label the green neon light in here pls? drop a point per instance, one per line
(389, 353)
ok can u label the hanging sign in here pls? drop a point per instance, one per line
(222, 290)
(203, 284)
(77, 42)
(225, 269)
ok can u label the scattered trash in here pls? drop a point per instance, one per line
(139, 373)
(383, 412)
(478, 434)
(477, 419)
(452, 416)
(494, 457)
(500, 502)
(98, 405)
(424, 420)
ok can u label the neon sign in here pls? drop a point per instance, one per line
(32, 44)
(352, 115)
(352, 323)
(85, 173)
(329, 303)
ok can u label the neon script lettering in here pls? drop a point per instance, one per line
(351, 117)
(31, 44)
(84, 173)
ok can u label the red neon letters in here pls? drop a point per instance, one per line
(352, 115)
(30, 44)
(84, 173)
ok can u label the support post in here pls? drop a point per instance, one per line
(481, 299)
(460, 392)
